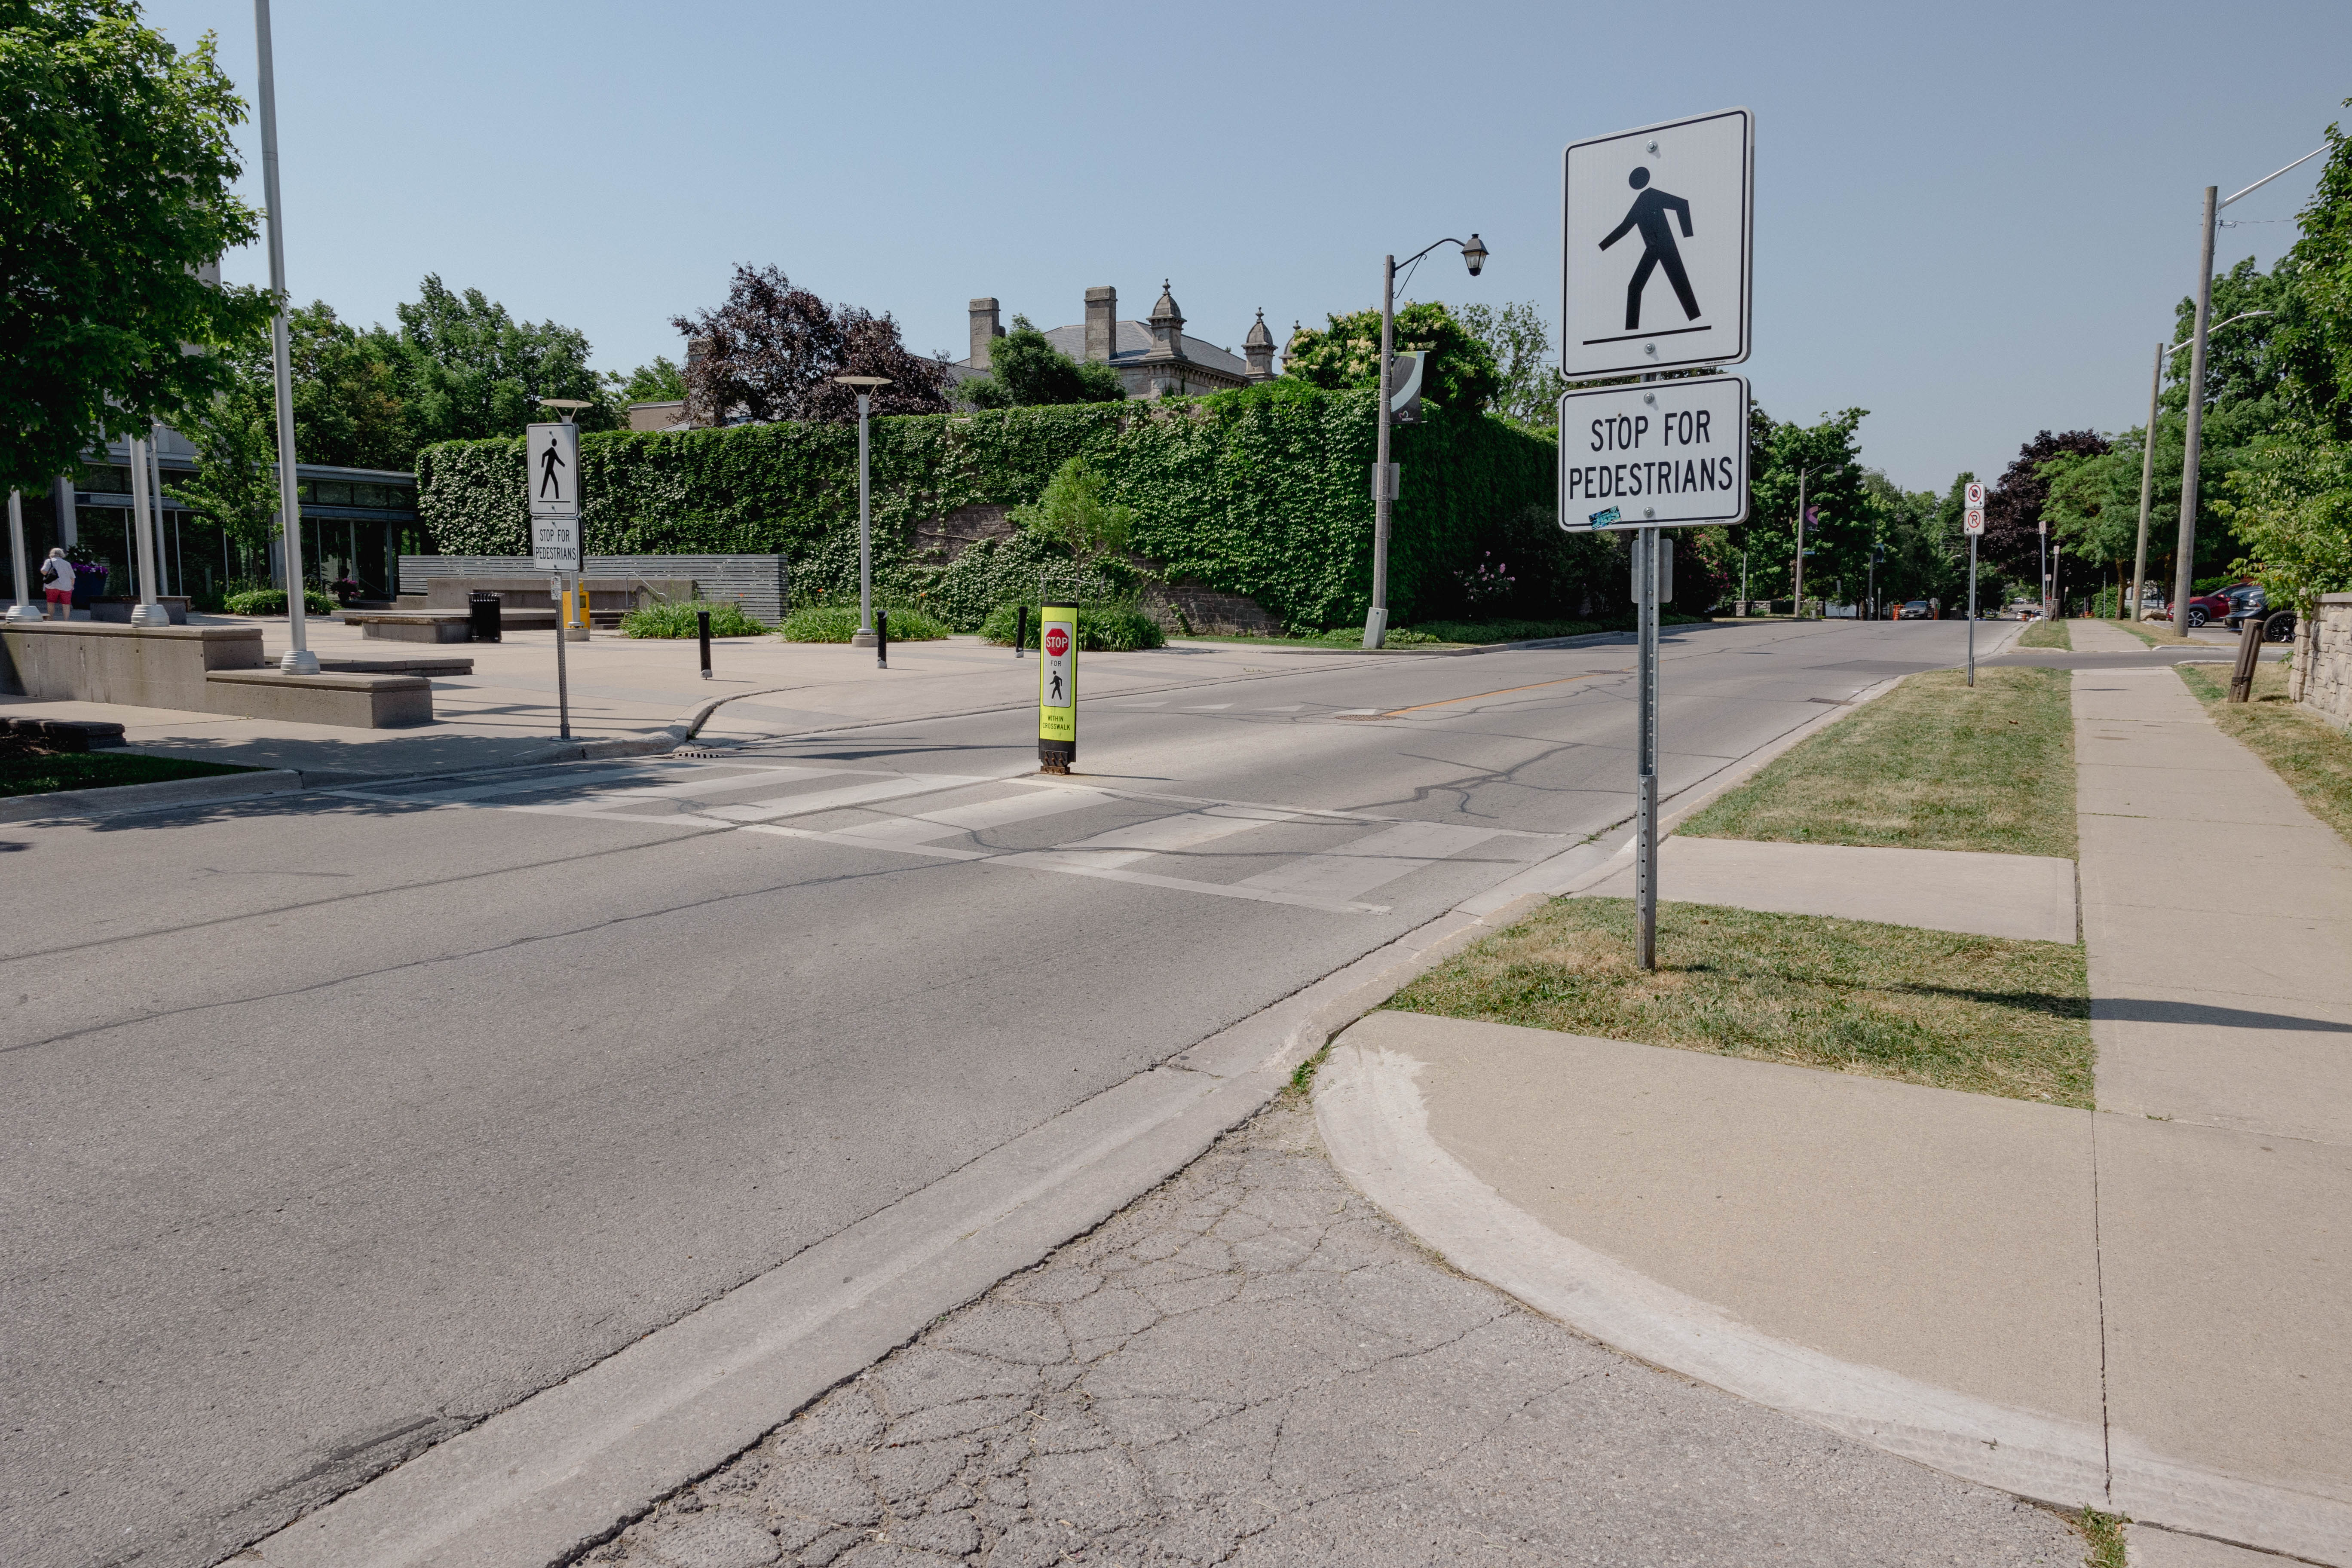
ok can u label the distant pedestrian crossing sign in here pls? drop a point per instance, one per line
(552, 474)
(1657, 232)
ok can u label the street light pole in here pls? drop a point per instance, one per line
(2146, 483)
(2184, 568)
(865, 386)
(298, 659)
(1376, 619)
(1375, 623)
(22, 610)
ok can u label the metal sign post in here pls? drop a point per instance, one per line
(1973, 521)
(1642, 458)
(553, 476)
(1057, 689)
(1671, 204)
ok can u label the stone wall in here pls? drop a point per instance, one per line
(2321, 678)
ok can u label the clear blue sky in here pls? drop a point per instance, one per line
(1973, 220)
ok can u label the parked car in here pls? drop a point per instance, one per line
(2249, 602)
(2204, 608)
(1917, 610)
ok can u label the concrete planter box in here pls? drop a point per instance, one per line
(196, 669)
(352, 702)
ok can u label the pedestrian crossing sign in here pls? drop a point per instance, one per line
(1657, 232)
(1058, 687)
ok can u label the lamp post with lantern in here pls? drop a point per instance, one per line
(1384, 487)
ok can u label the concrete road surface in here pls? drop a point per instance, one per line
(335, 1122)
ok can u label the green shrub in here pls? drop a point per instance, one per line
(677, 619)
(838, 622)
(1102, 628)
(1500, 631)
(272, 602)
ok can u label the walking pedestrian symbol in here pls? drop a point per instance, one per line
(1649, 214)
(550, 484)
(1661, 208)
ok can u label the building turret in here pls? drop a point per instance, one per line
(1257, 347)
(1167, 326)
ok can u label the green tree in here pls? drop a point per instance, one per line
(117, 199)
(467, 369)
(2287, 491)
(348, 405)
(660, 382)
(236, 439)
(1827, 457)
(1462, 374)
(1521, 346)
(1074, 517)
(1025, 370)
(1909, 527)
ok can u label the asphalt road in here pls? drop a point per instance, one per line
(336, 1122)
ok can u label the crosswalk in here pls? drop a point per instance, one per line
(1329, 860)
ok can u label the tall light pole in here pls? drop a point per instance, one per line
(1797, 582)
(22, 610)
(298, 659)
(1376, 620)
(864, 385)
(2184, 568)
(2148, 457)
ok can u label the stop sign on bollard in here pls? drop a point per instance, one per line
(1057, 689)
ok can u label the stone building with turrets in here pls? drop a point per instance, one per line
(1153, 357)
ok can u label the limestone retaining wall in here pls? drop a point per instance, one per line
(2321, 678)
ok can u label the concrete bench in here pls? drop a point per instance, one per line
(423, 664)
(439, 625)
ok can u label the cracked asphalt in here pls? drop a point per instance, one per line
(1253, 1366)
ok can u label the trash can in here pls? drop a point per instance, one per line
(486, 611)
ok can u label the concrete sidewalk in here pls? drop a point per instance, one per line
(2142, 1307)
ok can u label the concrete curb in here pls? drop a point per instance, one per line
(566, 1468)
(118, 799)
(676, 734)
(1375, 1126)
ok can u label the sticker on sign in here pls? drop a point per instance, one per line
(1659, 455)
(1658, 231)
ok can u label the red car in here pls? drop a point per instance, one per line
(2213, 606)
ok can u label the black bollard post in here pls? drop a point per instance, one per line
(881, 639)
(702, 629)
(1021, 633)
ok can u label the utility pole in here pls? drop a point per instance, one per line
(1798, 580)
(2184, 569)
(298, 659)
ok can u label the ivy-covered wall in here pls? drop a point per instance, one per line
(1264, 492)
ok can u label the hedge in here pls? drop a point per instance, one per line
(1264, 491)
